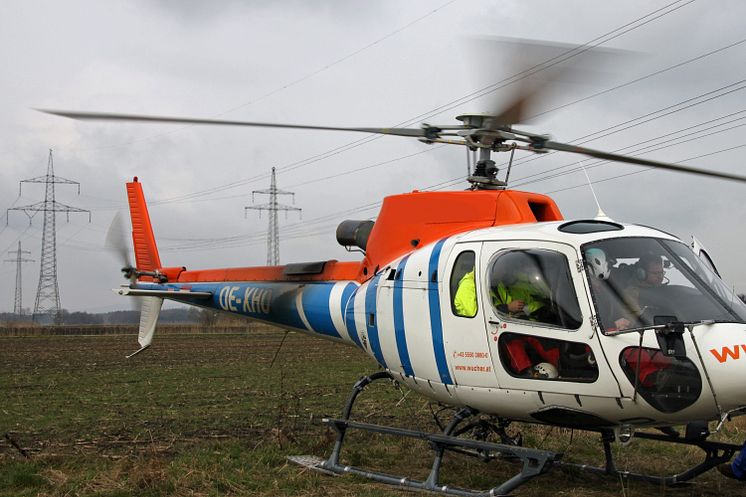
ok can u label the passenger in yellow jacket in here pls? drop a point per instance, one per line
(520, 298)
(465, 300)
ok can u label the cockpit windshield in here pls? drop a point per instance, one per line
(641, 281)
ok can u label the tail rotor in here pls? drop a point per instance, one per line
(117, 242)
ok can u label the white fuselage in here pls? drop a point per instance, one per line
(403, 317)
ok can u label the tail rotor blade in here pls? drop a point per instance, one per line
(117, 240)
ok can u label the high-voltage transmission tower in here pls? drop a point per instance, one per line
(19, 259)
(273, 232)
(48, 294)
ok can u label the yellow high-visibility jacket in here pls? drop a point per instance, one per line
(465, 300)
(519, 291)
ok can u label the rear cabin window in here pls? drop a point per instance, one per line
(463, 287)
(541, 358)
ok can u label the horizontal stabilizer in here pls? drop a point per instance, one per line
(183, 295)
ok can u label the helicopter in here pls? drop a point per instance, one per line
(585, 355)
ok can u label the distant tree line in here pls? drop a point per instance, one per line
(186, 315)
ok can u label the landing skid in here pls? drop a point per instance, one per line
(533, 462)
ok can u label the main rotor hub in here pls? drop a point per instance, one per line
(475, 120)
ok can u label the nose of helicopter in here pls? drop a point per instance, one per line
(722, 348)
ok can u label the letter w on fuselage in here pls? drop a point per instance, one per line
(733, 352)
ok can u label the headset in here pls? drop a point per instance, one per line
(641, 272)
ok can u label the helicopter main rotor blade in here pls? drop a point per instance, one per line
(105, 116)
(541, 72)
(599, 154)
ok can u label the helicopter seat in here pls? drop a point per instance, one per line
(650, 364)
(522, 352)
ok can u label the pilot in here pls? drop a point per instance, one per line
(608, 301)
(649, 273)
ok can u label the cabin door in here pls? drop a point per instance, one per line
(537, 317)
(462, 310)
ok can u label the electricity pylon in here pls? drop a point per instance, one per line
(19, 259)
(273, 231)
(48, 294)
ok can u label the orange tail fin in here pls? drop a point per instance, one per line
(146, 251)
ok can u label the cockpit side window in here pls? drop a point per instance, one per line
(534, 285)
(463, 287)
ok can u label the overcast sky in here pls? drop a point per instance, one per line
(345, 63)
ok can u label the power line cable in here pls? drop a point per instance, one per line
(477, 97)
(635, 153)
(547, 174)
(241, 240)
(287, 85)
(651, 116)
(623, 126)
(460, 101)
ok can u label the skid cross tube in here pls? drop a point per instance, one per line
(534, 462)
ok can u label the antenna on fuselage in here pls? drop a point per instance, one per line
(601, 215)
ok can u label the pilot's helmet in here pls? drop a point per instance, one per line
(545, 371)
(598, 265)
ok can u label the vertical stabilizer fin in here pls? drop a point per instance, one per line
(146, 251)
(151, 309)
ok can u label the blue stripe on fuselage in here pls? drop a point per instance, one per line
(401, 337)
(436, 325)
(348, 311)
(316, 307)
(371, 320)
